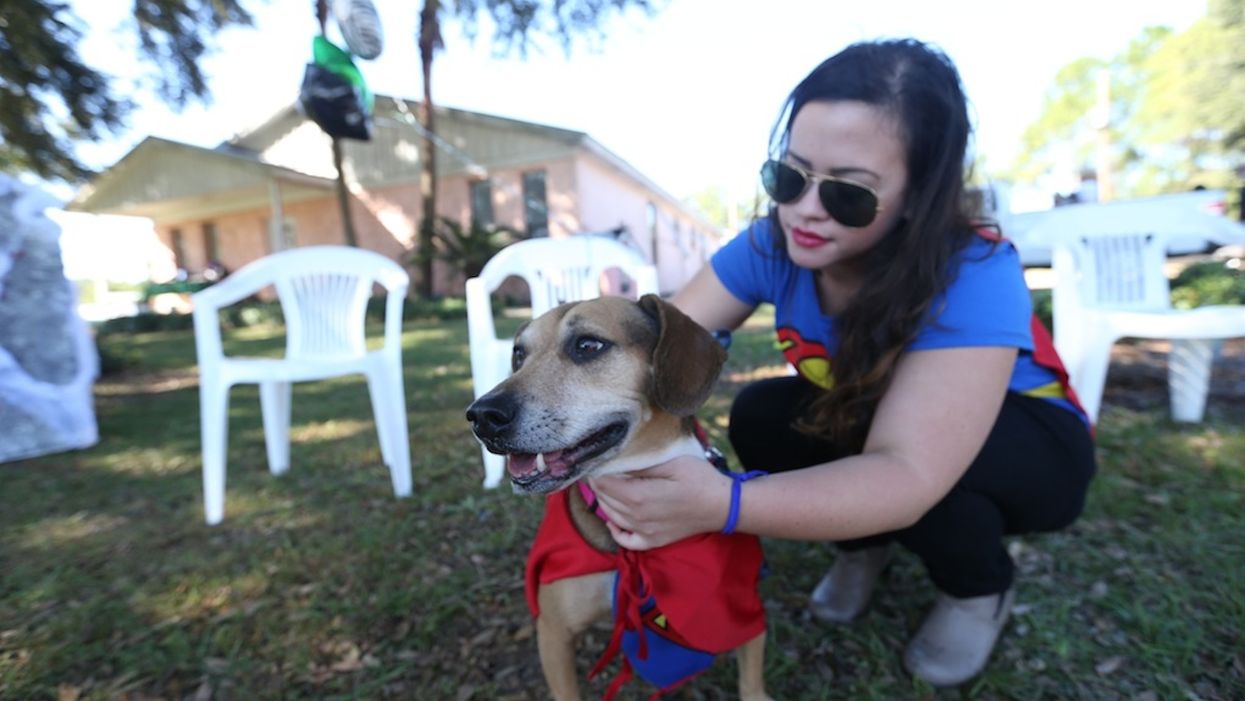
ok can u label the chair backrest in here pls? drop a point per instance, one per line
(556, 271)
(566, 269)
(1116, 271)
(1104, 272)
(323, 291)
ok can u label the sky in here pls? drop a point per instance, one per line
(688, 96)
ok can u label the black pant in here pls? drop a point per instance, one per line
(1031, 475)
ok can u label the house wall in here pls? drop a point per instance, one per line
(586, 190)
(385, 220)
(609, 198)
(583, 194)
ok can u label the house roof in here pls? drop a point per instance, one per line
(161, 178)
(146, 182)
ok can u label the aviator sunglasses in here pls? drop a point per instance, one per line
(850, 203)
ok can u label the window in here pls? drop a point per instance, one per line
(179, 249)
(535, 206)
(211, 243)
(482, 203)
(283, 239)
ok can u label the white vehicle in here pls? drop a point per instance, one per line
(1193, 221)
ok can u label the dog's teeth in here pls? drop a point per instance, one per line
(540, 462)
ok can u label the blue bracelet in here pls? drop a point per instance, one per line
(737, 481)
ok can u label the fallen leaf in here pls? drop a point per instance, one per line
(351, 660)
(203, 693)
(1109, 665)
(67, 692)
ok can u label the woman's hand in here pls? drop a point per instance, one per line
(654, 507)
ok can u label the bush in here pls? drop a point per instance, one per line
(444, 308)
(251, 313)
(151, 289)
(1212, 282)
(145, 322)
(1043, 307)
(1198, 285)
(113, 360)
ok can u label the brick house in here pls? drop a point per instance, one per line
(273, 187)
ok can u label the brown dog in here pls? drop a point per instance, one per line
(603, 387)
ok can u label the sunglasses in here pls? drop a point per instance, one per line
(850, 203)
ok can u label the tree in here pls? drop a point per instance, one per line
(1197, 84)
(724, 211)
(469, 247)
(1176, 115)
(1068, 128)
(50, 100)
(517, 24)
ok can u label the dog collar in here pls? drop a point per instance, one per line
(590, 498)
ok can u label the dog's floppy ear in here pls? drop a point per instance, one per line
(686, 359)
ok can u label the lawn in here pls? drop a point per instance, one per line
(320, 585)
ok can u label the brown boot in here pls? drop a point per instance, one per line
(844, 592)
(956, 639)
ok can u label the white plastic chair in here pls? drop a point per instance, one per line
(323, 291)
(1112, 286)
(556, 271)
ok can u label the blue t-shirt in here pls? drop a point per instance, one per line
(986, 304)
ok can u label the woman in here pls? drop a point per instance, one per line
(928, 411)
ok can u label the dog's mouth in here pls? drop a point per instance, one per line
(549, 471)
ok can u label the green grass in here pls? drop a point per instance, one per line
(320, 585)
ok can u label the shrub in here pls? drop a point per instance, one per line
(113, 360)
(145, 322)
(1212, 282)
(1198, 285)
(1042, 306)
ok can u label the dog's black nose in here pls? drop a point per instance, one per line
(492, 414)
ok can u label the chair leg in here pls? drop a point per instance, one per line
(1188, 377)
(214, 434)
(494, 468)
(377, 393)
(389, 410)
(274, 404)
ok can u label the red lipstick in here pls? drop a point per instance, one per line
(806, 239)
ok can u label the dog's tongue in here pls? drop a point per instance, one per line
(521, 464)
(524, 464)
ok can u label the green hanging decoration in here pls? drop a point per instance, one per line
(334, 94)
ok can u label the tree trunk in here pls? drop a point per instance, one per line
(429, 40)
(343, 196)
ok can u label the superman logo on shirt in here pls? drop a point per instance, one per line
(809, 358)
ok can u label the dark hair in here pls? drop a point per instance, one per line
(919, 87)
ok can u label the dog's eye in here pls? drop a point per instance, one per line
(585, 348)
(517, 356)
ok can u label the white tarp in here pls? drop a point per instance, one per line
(48, 361)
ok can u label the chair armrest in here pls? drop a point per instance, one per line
(208, 347)
(394, 302)
(481, 333)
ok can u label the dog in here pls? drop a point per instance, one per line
(609, 386)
